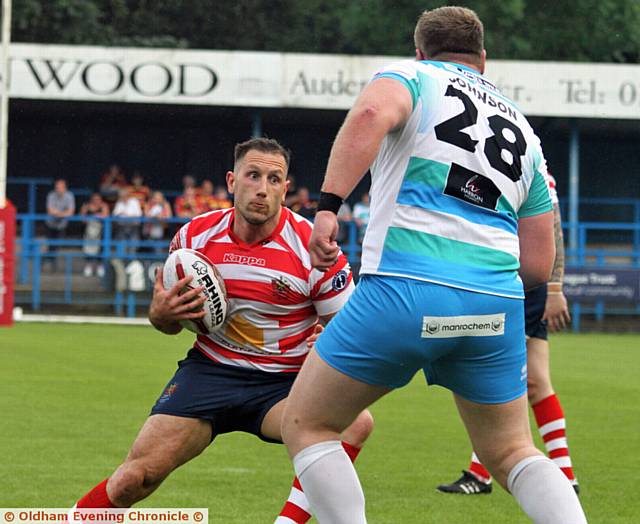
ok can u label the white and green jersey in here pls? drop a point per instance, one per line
(449, 186)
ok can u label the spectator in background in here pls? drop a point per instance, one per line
(138, 188)
(303, 205)
(361, 215)
(189, 182)
(127, 206)
(208, 199)
(188, 204)
(158, 209)
(60, 205)
(344, 219)
(292, 192)
(96, 208)
(112, 181)
(222, 198)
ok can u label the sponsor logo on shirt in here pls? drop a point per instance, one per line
(472, 187)
(463, 326)
(340, 280)
(243, 259)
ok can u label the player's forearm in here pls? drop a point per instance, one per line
(169, 327)
(557, 275)
(354, 150)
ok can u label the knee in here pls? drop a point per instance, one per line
(132, 482)
(538, 388)
(501, 460)
(358, 432)
(533, 388)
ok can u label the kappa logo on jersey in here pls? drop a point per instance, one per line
(242, 259)
(340, 280)
(471, 187)
(463, 326)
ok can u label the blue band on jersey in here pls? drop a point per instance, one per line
(410, 85)
(427, 197)
(470, 343)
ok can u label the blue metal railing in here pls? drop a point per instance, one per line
(34, 251)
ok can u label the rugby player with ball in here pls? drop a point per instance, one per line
(242, 279)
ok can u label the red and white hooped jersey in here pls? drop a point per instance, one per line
(274, 295)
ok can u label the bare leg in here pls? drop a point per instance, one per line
(501, 437)
(539, 377)
(322, 404)
(164, 443)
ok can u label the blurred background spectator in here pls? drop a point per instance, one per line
(303, 205)
(127, 206)
(361, 215)
(188, 205)
(344, 215)
(111, 182)
(159, 209)
(97, 208)
(138, 189)
(223, 201)
(60, 204)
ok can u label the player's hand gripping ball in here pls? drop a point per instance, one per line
(185, 262)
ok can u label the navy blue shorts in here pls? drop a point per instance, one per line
(230, 398)
(534, 303)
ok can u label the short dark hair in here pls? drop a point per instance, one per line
(449, 30)
(264, 145)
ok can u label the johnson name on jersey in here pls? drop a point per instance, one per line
(449, 186)
(274, 295)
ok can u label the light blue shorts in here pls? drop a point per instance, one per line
(471, 343)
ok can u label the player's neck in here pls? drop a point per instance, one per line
(253, 233)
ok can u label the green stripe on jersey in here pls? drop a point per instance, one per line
(429, 172)
(538, 201)
(448, 250)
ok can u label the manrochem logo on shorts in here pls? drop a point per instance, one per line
(463, 326)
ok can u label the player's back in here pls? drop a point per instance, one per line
(449, 187)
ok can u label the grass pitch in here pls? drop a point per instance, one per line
(72, 398)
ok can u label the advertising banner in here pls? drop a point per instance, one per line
(7, 262)
(262, 79)
(600, 284)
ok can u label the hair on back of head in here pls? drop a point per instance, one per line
(449, 30)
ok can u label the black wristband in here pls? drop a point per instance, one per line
(329, 202)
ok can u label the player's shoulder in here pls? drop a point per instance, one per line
(404, 68)
(301, 226)
(218, 219)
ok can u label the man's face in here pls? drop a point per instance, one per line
(259, 185)
(60, 186)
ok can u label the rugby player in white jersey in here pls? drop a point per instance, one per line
(460, 220)
(544, 307)
(238, 378)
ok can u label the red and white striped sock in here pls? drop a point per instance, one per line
(478, 469)
(96, 498)
(296, 508)
(552, 427)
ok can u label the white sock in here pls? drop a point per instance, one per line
(330, 483)
(544, 492)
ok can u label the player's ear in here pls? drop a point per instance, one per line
(420, 55)
(230, 181)
(483, 62)
(287, 182)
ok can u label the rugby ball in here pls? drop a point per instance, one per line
(185, 262)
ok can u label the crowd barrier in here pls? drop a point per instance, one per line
(600, 245)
